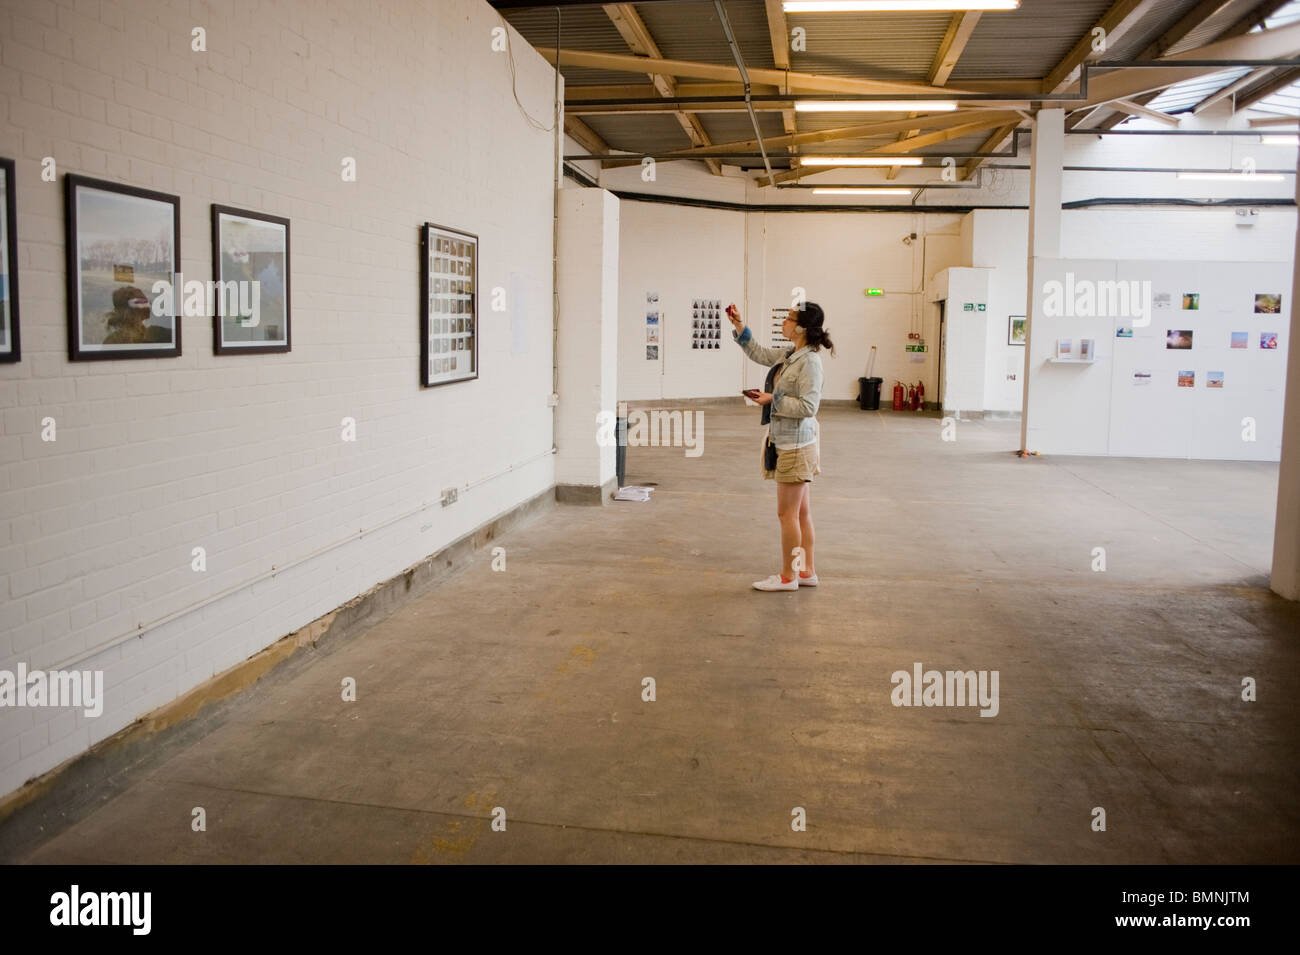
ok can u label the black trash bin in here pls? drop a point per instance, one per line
(869, 393)
(620, 452)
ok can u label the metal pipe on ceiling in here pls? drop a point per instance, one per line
(744, 76)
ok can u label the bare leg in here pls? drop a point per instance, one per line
(788, 497)
(806, 529)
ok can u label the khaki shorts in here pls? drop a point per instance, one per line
(796, 465)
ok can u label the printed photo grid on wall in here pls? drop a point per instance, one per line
(706, 324)
(9, 339)
(776, 322)
(449, 305)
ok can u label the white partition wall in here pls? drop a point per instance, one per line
(1165, 379)
(587, 338)
(965, 339)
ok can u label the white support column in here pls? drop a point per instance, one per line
(1285, 579)
(588, 344)
(1047, 156)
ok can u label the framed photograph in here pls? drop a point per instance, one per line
(1178, 338)
(123, 253)
(9, 343)
(1015, 329)
(250, 264)
(448, 345)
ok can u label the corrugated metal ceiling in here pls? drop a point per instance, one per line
(887, 46)
(1025, 43)
(691, 31)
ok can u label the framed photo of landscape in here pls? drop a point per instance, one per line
(448, 305)
(123, 253)
(1015, 329)
(250, 266)
(9, 341)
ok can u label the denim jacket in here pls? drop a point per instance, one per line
(796, 394)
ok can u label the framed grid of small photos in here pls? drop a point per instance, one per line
(706, 324)
(449, 305)
(9, 350)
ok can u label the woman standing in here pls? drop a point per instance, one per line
(791, 453)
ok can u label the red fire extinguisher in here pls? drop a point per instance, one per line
(898, 396)
(920, 395)
(911, 397)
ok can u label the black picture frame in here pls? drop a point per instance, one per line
(1011, 330)
(108, 351)
(11, 345)
(220, 345)
(449, 293)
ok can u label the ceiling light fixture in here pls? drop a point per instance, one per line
(1232, 176)
(860, 160)
(894, 6)
(869, 106)
(1292, 140)
(860, 191)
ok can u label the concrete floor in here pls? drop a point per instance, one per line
(522, 689)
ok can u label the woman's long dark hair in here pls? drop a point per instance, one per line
(810, 320)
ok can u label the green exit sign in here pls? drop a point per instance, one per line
(875, 291)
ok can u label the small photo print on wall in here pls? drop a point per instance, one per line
(250, 261)
(1162, 300)
(1187, 379)
(1240, 340)
(1141, 376)
(1178, 338)
(1191, 301)
(1268, 303)
(9, 344)
(652, 318)
(123, 246)
(651, 352)
(1268, 341)
(1124, 331)
(1015, 329)
(652, 333)
(651, 298)
(1214, 379)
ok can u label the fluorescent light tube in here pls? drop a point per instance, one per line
(894, 6)
(860, 191)
(860, 161)
(1232, 176)
(877, 106)
(1292, 140)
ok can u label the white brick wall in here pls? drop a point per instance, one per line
(242, 455)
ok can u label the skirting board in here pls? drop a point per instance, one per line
(42, 807)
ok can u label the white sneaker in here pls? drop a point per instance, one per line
(776, 583)
(808, 581)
